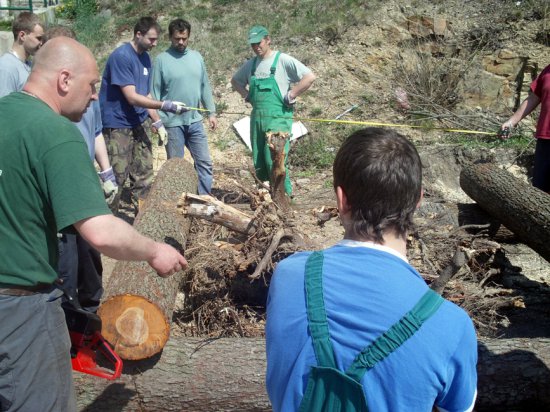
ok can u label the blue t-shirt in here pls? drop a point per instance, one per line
(124, 67)
(90, 126)
(366, 291)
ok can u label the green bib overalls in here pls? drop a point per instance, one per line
(269, 114)
(330, 389)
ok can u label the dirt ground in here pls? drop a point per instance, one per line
(515, 303)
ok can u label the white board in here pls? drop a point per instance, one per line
(242, 127)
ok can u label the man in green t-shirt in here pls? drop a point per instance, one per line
(48, 185)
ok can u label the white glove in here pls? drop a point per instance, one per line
(288, 101)
(173, 107)
(161, 131)
(110, 191)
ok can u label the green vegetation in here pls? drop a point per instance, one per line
(432, 77)
(5, 25)
(289, 22)
(74, 9)
(312, 152)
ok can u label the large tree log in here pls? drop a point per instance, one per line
(522, 208)
(228, 375)
(137, 306)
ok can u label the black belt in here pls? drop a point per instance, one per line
(25, 290)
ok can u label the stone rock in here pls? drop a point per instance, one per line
(422, 26)
(487, 90)
(440, 26)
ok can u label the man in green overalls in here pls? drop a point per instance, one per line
(274, 81)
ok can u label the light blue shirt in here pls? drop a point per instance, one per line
(13, 73)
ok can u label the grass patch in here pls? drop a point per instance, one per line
(92, 31)
(312, 153)
(220, 27)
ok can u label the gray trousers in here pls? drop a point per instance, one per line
(35, 362)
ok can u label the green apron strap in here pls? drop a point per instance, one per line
(395, 336)
(274, 65)
(316, 314)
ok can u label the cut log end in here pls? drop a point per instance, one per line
(136, 327)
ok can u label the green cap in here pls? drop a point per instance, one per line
(256, 34)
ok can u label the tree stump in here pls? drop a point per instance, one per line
(229, 374)
(137, 306)
(277, 142)
(522, 208)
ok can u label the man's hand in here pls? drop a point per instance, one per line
(161, 131)
(289, 100)
(213, 122)
(173, 107)
(505, 130)
(166, 260)
(109, 185)
(110, 191)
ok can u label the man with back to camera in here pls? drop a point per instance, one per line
(356, 290)
(48, 185)
(179, 73)
(28, 36)
(126, 105)
(274, 81)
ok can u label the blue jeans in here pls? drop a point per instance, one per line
(194, 138)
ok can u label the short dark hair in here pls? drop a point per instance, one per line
(145, 24)
(380, 172)
(25, 21)
(60, 31)
(179, 25)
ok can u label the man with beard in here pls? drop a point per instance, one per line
(126, 106)
(179, 73)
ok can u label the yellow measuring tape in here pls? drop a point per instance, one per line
(357, 122)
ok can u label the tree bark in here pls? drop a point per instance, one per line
(228, 375)
(211, 209)
(522, 208)
(276, 142)
(457, 262)
(137, 306)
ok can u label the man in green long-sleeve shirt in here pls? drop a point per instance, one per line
(179, 74)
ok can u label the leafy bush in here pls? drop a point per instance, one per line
(312, 153)
(73, 9)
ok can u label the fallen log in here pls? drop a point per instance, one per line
(137, 306)
(522, 208)
(211, 209)
(228, 374)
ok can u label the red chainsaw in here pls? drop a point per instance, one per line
(87, 342)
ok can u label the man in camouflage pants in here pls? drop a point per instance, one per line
(126, 106)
